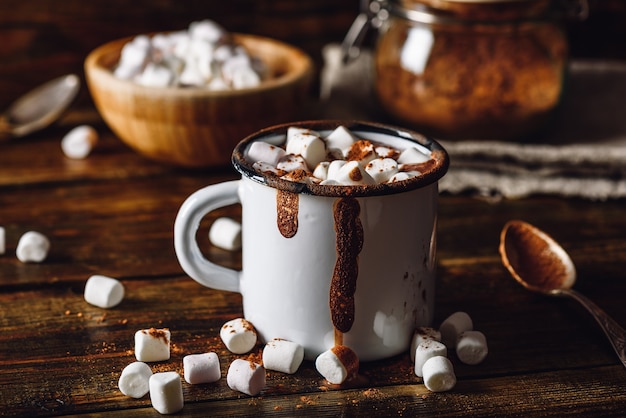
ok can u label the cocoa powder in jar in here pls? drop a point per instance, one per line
(482, 79)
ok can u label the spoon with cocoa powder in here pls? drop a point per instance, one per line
(540, 264)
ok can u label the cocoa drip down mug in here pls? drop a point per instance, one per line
(327, 264)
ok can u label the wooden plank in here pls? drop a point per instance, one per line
(52, 341)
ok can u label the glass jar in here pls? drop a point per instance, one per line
(470, 69)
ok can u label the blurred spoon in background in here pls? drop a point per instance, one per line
(39, 107)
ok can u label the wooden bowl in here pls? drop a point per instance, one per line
(195, 127)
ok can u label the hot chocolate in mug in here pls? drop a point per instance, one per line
(326, 265)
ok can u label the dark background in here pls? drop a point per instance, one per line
(42, 39)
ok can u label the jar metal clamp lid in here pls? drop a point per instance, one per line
(375, 12)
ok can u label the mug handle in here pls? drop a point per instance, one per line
(186, 247)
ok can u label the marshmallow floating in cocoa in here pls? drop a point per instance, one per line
(265, 152)
(309, 146)
(340, 139)
(382, 169)
(340, 158)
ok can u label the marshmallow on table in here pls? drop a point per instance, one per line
(79, 142)
(260, 151)
(438, 374)
(134, 380)
(246, 376)
(152, 344)
(202, 368)
(238, 335)
(471, 347)
(423, 334)
(426, 350)
(337, 364)
(3, 244)
(225, 233)
(104, 292)
(33, 247)
(166, 392)
(453, 326)
(282, 356)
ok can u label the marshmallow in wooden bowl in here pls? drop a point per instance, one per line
(207, 89)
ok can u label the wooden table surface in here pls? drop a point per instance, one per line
(113, 214)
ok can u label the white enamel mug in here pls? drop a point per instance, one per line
(327, 265)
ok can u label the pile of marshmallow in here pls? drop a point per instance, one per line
(339, 158)
(153, 345)
(203, 56)
(246, 376)
(429, 350)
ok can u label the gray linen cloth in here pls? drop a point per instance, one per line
(582, 155)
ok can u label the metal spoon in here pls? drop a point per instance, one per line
(540, 264)
(39, 107)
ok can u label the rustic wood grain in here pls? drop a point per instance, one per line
(113, 214)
